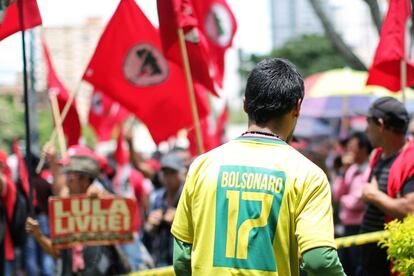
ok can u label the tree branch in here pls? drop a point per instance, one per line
(376, 15)
(336, 40)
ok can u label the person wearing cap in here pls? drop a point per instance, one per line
(81, 168)
(390, 191)
(80, 164)
(162, 209)
(254, 205)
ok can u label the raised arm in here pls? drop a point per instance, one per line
(59, 186)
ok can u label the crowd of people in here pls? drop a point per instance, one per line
(370, 174)
(155, 183)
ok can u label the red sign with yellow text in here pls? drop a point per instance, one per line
(91, 221)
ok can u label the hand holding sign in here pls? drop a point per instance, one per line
(33, 227)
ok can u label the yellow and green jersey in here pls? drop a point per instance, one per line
(251, 206)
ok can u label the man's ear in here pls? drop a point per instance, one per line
(381, 123)
(244, 104)
(296, 108)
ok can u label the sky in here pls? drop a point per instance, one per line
(252, 18)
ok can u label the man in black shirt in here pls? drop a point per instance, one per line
(387, 124)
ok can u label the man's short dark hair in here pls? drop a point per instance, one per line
(273, 89)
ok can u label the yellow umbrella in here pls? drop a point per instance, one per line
(342, 92)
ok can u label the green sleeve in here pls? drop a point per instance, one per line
(182, 258)
(322, 261)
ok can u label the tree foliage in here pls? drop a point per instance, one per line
(310, 53)
(11, 122)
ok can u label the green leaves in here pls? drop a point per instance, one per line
(400, 244)
(310, 53)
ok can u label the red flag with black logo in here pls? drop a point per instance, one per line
(10, 18)
(71, 124)
(386, 68)
(175, 14)
(218, 24)
(104, 115)
(128, 65)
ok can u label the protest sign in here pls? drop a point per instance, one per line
(91, 221)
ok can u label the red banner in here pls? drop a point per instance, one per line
(91, 221)
(10, 19)
(129, 67)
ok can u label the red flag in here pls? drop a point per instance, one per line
(22, 169)
(71, 124)
(121, 154)
(212, 134)
(174, 14)
(218, 24)
(386, 68)
(104, 115)
(9, 18)
(128, 65)
(207, 134)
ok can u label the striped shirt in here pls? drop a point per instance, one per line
(374, 218)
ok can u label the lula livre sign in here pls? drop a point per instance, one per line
(91, 221)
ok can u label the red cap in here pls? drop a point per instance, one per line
(153, 164)
(78, 150)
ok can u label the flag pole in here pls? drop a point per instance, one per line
(403, 79)
(26, 108)
(65, 111)
(58, 123)
(190, 86)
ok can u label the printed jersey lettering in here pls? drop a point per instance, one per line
(247, 208)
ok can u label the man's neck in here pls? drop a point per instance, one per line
(170, 194)
(267, 129)
(393, 145)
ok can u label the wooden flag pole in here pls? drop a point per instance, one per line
(58, 123)
(190, 86)
(52, 138)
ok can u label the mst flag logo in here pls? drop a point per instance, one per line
(145, 65)
(219, 25)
